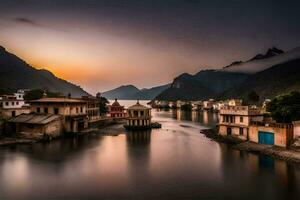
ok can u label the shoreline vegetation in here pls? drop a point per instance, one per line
(286, 154)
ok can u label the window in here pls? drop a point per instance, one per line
(56, 111)
(241, 119)
(17, 103)
(46, 110)
(76, 110)
(241, 131)
(38, 109)
(6, 103)
(13, 113)
(81, 109)
(13, 103)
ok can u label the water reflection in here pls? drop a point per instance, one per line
(204, 117)
(138, 138)
(175, 162)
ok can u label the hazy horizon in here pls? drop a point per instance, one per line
(103, 45)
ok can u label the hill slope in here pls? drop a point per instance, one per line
(17, 74)
(124, 92)
(203, 85)
(267, 74)
(271, 82)
(129, 92)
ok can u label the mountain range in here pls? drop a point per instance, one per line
(267, 74)
(15, 74)
(127, 92)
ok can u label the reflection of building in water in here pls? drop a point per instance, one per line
(205, 116)
(139, 137)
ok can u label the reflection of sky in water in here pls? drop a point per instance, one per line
(173, 162)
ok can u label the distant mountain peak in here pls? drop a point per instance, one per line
(2, 48)
(274, 51)
(233, 63)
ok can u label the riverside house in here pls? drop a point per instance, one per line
(296, 129)
(279, 134)
(73, 111)
(92, 107)
(235, 120)
(36, 126)
(139, 117)
(116, 110)
(13, 105)
(208, 105)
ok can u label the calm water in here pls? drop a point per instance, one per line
(175, 162)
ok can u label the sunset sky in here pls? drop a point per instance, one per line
(104, 44)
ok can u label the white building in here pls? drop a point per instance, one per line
(235, 102)
(13, 105)
(208, 104)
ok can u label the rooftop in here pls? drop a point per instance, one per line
(57, 100)
(115, 103)
(35, 118)
(138, 106)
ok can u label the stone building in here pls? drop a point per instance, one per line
(208, 105)
(139, 117)
(12, 105)
(235, 120)
(116, 110)
(92, 107)
(235, 102)
(73, 111)
(279, 134)
(36, 126)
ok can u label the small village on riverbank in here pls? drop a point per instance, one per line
(248, 127)
(47, 118)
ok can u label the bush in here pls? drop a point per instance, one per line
(285, 108)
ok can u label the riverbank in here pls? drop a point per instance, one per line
(108, 127)
(289, 155)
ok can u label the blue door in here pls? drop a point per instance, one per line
(265, 138)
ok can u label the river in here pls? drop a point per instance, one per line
(175, 162)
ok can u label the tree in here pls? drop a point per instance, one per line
(39, 93)
(285, 108)
(186, 107)
(103, 105)
(253, 96)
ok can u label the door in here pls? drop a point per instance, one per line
(228, 130)
(265, 138)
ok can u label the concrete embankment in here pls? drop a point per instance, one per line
(10, 141)
(289, 155)
(107, 126)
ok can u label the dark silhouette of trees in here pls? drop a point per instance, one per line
(285, 108)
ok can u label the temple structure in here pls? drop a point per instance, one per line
(116, 110)
(139, 117)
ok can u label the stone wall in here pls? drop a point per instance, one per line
(235, 131)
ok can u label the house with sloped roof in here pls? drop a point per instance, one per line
(36, 126)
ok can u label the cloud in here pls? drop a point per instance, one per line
(30, 22)
(27, 21)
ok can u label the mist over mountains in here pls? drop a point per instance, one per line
(267, 74)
